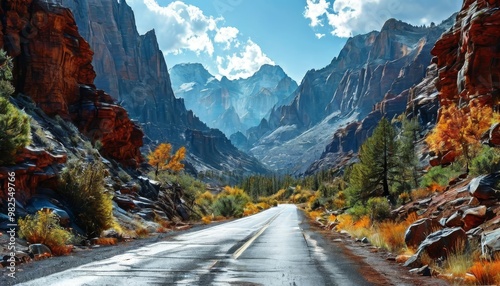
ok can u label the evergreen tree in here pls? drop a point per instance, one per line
(377, 165)
(407, 154)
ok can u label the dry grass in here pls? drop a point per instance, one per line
(331, 218)
(106, 241)
(206, 219)
(250, 209)
(345, 222)
(141, 232)
(162, 229)
(422, 193)
(486, 272)
(393, 234)
(59, 250)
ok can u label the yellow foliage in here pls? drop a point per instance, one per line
(162, 159)
(43, 227)
(460, 129)
(331, 218)
(345, 222)
(315, 214)
(363, 222)
(206, 219)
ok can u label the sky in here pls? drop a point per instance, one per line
(234, 38)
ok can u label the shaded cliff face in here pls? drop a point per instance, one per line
(371, 76)
(467, 55)
(133, 67)
(53, 66)
(231, 105)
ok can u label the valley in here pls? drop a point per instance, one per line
(388, 152)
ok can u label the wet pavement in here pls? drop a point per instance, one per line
(273, 247)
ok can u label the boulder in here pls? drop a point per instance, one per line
(443, 242)
(473, 217)
(490, 243)
(483, 187)
(39, 251)
(455, 220)
(418, 231)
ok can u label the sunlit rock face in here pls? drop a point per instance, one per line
(467, 55)
(53, 65)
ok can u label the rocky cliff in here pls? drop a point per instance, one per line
(53, 66)
(231, 105)
(132, 67)
(371, 77)
(467, 55)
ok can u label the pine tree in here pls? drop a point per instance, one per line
(407, 154)
(377, 165)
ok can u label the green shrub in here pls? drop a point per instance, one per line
(82, 184)
(440, 176)
(486, 162)
(379, 208)
(231, 202)
(14, 131)
(43, 227)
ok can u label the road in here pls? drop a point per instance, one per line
(269, 248)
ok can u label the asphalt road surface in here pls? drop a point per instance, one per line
(269, 248)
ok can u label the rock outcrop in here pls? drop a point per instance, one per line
(53, 65)
(132, 68)
(467, 55)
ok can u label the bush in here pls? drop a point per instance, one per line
(14, 131)
(43, 227)
(378, 208)
(82, 184)
(230, 202)
(439, 176)
(486, 162)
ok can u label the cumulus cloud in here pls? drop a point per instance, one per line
(227, 36)
(243, 64)
(179, 26)
(350, 17)
(315, 9)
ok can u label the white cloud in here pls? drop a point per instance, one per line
(350, 17)
(245, 63)
(179, 26)
(319, 35)
(314, 10)
(226, 35)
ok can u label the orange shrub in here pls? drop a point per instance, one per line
(106, 241)
(363, 222)
(331, 218)
(486, 273)
(206, 219)
(61, 249)
(315, 214)
(345, 222)
(250, 209)
(393, 234)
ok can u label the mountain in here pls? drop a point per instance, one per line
(132, 68)
(370, 69)
(231, 105)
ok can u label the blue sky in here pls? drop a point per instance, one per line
(235, 37)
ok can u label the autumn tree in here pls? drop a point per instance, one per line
(14, 124)
(162, 159)
(459, 130)
(377, 165)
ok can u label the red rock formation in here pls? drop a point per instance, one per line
(467, 56)
(34, 167)
(53, 66)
